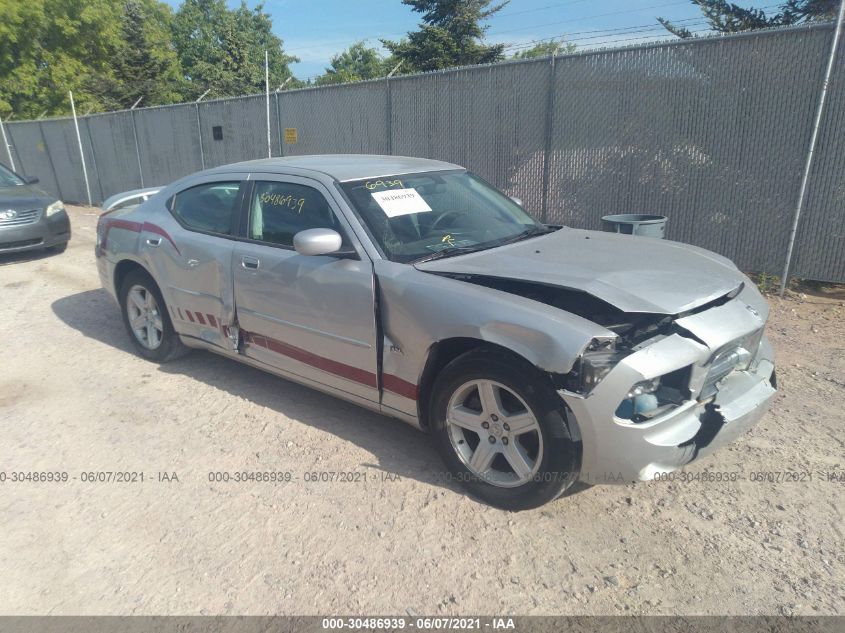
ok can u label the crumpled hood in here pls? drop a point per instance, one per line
(635, 274)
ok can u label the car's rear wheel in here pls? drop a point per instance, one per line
(146, 319)
(503, 431)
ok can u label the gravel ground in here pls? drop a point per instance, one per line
(75, 399)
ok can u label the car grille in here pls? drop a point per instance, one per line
(736, 355)
(21, 218)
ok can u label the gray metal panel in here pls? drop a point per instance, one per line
(244, 123)
(167, 138)
(31, 154)
(820, 252)
(60, 137)
(114, 149)
(712, 134)
(349, 119)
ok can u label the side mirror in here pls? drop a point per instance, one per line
(30, 180)
(318, 242)
(517, 200)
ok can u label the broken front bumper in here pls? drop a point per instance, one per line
(621, 451)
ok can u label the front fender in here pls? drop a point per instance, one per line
(419, 309)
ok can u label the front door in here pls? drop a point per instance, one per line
(311, 316)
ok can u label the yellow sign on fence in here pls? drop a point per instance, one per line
(290, 135)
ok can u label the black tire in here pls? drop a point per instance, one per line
(59, 248)
(170, 347)
(559, 465)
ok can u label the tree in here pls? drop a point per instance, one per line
(144, 64)
(223, 50)
(356, 63)
(545, 49)
(48, 47)
(450, 35)
(726, 17)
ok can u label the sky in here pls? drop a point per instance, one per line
(314, 30)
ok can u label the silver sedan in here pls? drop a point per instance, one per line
(535, 355)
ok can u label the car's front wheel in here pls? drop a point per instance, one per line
(503, 431)
(146, 319)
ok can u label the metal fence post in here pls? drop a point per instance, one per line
(50, 159)
(81, 152)
(279, 125)
(137, 147)
(814, 137)
(547, 150)
(389, 115)
(199, 135)
(267, 100)
(8, 147)
(93, 158)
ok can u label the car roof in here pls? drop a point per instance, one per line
(341, 167)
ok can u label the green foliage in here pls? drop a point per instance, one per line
(726, 17)
(545, 49)
(144, 64)
(110, 53)
(450, 35)
(356, 63)
(223, 49)
(48, 47)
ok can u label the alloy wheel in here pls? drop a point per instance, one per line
(494, 433)
(144, 317)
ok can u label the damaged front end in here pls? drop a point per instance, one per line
(668, 388)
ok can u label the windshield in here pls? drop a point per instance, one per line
(8, 179)
(416, 216)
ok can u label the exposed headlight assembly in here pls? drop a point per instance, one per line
(54, 208)
(594, 366)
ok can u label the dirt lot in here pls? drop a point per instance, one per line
(75, 399)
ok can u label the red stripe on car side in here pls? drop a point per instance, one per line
(117, 223)
(136, 227)
(179, 310)
(399, 386)
(211, 320)
(155, 228)
(190, 318)
(329, 365)
(200, 317)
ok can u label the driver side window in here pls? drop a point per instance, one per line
(280, 210)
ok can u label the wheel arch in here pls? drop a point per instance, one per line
(443, 352)
(123, 268)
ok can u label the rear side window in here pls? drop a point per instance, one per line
(280, 210)
(210, 207)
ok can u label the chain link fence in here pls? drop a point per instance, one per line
(712, 133)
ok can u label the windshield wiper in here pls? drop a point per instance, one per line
(462, 250)
(534, 231)
(452, 252)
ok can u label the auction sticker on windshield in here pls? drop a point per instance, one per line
(396, 202)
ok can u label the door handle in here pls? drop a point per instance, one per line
(154, 241)
(250, 263)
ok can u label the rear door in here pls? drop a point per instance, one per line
(312, 316)
(195, 265)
